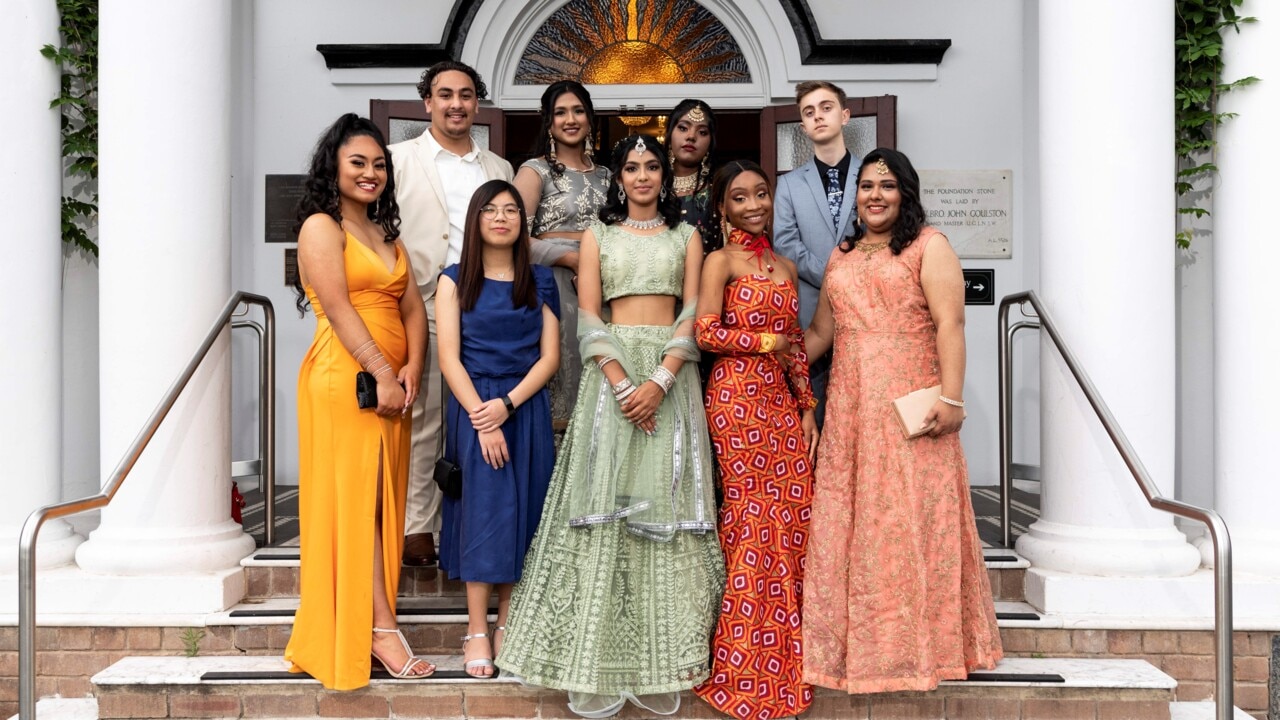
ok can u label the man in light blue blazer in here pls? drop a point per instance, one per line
(814, 206)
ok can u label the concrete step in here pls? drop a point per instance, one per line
(259, 686)
(273, 573)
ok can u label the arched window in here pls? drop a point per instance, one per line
(609, 42)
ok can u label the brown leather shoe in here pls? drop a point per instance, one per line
(419, 550)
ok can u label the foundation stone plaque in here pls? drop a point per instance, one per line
(973, 208)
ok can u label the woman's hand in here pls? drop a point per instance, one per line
(390, 396)
(783, 345)
(809, 426)
(641, 407)
(488, 416)
(493, 446)
(410, 376)
(947, 417)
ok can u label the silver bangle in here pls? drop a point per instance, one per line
(952, 403)
(623, 395)
(604, 360)
(664, 378)
(622, 386)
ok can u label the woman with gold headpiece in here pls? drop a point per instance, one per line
(896, 597)
(691, 144)
(622, 583)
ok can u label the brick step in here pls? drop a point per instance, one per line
(252, 686)
(87, 709)
(273, 572)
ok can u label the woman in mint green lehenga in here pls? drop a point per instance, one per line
(623, 582)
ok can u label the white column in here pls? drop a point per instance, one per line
(165, 188)
(31, 283)
(1247, 341)
(1107, 251)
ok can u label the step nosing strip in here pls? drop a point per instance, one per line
(1015, 677)
(1017, 616)
(260, 675)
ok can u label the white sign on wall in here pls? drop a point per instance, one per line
(973, 208)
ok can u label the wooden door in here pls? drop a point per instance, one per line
(401, 120)
(873, 123)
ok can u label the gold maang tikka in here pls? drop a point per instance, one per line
(695, 115)
(882, 168)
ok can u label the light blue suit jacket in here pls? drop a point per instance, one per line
(803, 230)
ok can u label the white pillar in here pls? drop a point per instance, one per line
(165, 188)
(1247, 343)
(1107, 251)
(31, 283)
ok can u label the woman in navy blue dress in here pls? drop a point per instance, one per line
(499, 343)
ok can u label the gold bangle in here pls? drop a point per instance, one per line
(767, 341)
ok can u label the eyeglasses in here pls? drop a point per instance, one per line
(490, 212)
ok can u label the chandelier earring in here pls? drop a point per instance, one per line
(705, 170)
(662, 194)
(552, 139)
(622, 195)
(588, 150)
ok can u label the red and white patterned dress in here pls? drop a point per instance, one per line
(753, 403)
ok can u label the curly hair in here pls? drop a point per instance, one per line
(549, 97)
(429, 77)
(677, 113)
(615, 209)
(911, 214)
(320, 191)
(720, 187)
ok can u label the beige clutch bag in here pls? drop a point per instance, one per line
(912, 407)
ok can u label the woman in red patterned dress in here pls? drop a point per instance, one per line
(760, 411)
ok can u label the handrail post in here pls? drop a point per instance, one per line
(27, 616)
(1222, 621)
(267, 422)
(1006, 423)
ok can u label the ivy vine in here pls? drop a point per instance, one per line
(78, 100)
(1197, 86)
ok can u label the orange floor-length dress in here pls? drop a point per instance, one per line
(896, 597)
(753, 410)
(340, 448)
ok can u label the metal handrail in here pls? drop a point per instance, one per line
(31, 528)
(265, 467)
(1224, 697)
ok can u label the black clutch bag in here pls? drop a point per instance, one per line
(448, 477)
(366, 390)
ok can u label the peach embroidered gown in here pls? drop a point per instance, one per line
(896, 594)
(340, 450)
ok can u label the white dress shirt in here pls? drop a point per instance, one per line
(460, 175)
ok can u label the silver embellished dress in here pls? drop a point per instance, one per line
(623, 582)
(570, 202)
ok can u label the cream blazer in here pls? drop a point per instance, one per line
(424, 221)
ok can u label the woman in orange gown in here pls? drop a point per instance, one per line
(760, 412)
(896, 597)
(353, 463)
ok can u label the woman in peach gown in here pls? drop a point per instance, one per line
(896, 595)
(353, 463)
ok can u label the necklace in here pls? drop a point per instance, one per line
(501, 275)
(684, 184)
(651, 223)
(868, 248)
(757, 245)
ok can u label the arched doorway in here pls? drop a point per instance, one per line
(639, 58)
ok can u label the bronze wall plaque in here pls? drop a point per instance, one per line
(290, 267)
(282, 195)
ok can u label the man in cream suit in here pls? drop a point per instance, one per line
(436, 174)
(814, 208)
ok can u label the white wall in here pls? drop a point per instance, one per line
(972, 116)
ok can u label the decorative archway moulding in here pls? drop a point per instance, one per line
(813, 48)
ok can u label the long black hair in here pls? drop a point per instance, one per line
(320, 192)
(471, 265)
(720, 187)
(681, 109)
(911, 214)
(615, 208)
(549, 98)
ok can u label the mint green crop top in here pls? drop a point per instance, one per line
(641, 264)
